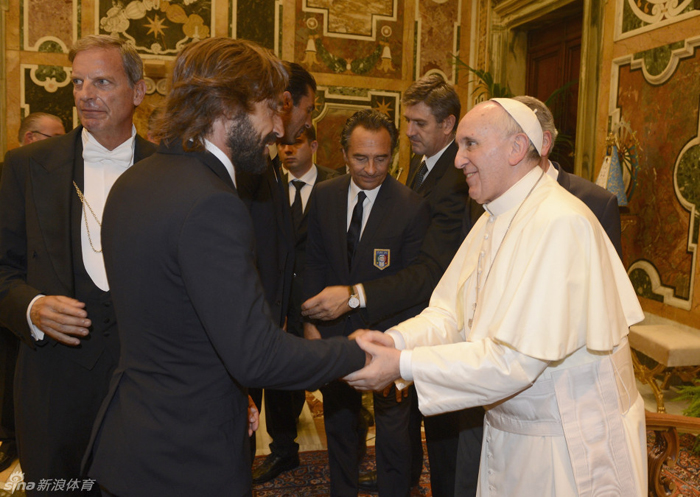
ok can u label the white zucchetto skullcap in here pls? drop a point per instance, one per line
(525, 117)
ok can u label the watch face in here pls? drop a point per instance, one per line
(354, 302)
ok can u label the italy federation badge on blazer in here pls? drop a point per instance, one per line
(382, 258)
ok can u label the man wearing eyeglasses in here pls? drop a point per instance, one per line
(36, 126)
(39, 126)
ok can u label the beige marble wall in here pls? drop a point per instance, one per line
(650, 79)
(363, 54)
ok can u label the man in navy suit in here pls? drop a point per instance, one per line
(363, 226)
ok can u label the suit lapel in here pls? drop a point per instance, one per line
(52, 188)
(447, 159)
(340, 213)
(413, 170)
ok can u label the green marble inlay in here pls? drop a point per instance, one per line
(364, 65)
(688, 179)
(50, 47)
(642, 285)
(657, 59)
(630, 21)
(56, 72)
(346, 91)
(58, 103)
(255, 20)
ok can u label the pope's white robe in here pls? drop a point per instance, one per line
(547, 352)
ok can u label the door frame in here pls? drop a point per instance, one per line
(509, 22)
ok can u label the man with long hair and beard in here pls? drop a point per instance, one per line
(195, 326)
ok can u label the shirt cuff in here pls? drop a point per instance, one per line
(37, 334)
(406, 365)
(399, 342)
(360, 291)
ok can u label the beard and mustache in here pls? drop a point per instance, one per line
(248, 148)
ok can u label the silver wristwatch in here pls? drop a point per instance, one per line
(354, 300)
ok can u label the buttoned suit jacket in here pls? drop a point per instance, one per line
(397, 222)
(196, 331)
(38, 211)
(446, 192)
(600, 201)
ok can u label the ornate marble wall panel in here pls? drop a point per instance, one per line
(350, 37)
(157, 27)
(437, 37)
(53, 25)
(657, 93)
(334, 105)
(47, 89)
(259, 21)
(639, 16)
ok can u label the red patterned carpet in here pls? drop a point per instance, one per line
(686, 474)
(311, 478)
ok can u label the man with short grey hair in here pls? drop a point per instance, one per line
(54, 293)
(39, 126)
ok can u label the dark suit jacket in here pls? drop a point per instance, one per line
(58, 388)
(35, 222)
(268, 205)
(397, 222)
(446, 191)
(300, 235)
(600, 201)
(195, 330)
(294, 318)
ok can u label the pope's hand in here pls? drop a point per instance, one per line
(383, 369)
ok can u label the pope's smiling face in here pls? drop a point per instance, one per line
(483, 154)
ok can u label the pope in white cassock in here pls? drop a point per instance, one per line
(530, 320)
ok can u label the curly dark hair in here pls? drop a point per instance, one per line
(213, 78)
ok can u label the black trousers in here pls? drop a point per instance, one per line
(9, 347)
(56, 402)
(341, 409)
(471, 432)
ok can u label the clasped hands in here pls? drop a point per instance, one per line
(382, 367)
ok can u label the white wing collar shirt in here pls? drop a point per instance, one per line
(102, 168)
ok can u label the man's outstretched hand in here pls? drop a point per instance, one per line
(383, 368)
